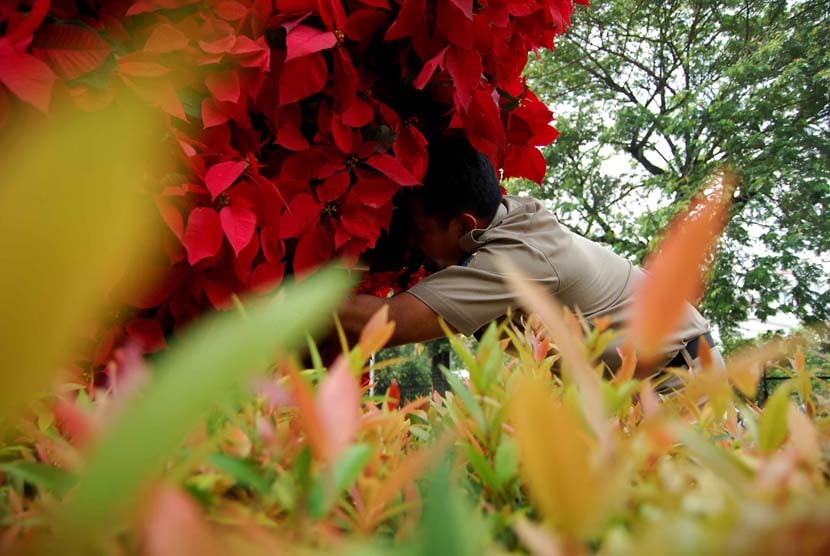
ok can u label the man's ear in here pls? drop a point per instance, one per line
(469, 222)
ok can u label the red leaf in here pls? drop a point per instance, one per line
(203, 236)
(314, 248)
(221, 176)
(332, 188)
(212, 116)
(464, 66)
(429, 68)
(267, 276)
(29, 78)
(521, 8)
(231, 11)
(345, 81)
(333, 13)
(454, 25)
(394, 395)
(304, 40)
(302, 212)
(483, 124)
(239, 224)
(410, 18)
(273, 247)
(144, 6)
(147, 332)
(466, 7)
(390, 167)
(373, 191)
(382, 4)
(526, 162)
(171, 216)
(361, 25)
(302, 77)
(358, 114)
(71, 50)
(410, 150)
(344, 136)
(224, 86)
(32, 21)
(290, 137)
(165, 38)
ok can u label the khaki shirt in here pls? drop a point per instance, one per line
(583, 275)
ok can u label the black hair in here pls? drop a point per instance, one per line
(458, 179)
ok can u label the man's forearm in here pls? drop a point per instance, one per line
(414, 320)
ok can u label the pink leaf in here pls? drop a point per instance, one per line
(221, 176)
(304, 40)
(203, 236)
(239, 224)
(338, 407)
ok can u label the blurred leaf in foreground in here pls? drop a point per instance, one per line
(200, 369)
(71, 219)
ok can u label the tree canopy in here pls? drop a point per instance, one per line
(652, 97)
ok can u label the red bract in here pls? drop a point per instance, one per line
(295, 121)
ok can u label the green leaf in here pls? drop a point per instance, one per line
(328, 488)
(506, 461)
(482, 467)
(215, 356)
(466, 397)
(772, 426)
(241, 470)
(42, 476)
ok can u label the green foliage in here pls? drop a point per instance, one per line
(651, 97)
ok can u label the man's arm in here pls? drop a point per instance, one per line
(414, 320)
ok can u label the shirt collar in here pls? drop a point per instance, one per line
(471, 241)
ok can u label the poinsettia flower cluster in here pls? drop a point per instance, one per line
(295, 121)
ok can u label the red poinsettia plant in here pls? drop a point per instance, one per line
(295, 121)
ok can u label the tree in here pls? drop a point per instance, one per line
(672, 90)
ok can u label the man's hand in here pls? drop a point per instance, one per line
(414, 320)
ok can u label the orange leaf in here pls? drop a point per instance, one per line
(675, 270)
(307, 412)
(377, 332)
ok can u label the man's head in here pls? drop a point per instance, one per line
(460, 193)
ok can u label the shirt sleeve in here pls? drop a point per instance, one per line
(467, 298)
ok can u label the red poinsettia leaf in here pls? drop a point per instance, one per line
(362, 24)
(229, 10)
(148, 334)
(267, 276)
(164, 95)
(522, 8)
(410, 150)
(303, 211)
(525, 162)
(273, 247)
(238, 224)
(454, 25)
(344, 137)
(429, 68)
(245, 258)
(483, 124)
(345, 81)
(303, 77)
(333, 187)
(70, 50)
(304, 40)
(224, 85)
(165, 38)
(359, 222)
(221, 176)
(382, 4)
(409, 19)
(296, 6)
(464, 66)
(218, 46)
(171, 216)
(290, 137)
(23, 30)
(29, 78)
(466, 7)
(203, 235)
(333, 14)
(219, 294)
(212, 115)
(358, 114)
(314, 248)
(372, 191)
(390, 167)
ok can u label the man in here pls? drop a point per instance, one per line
(463, 225)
